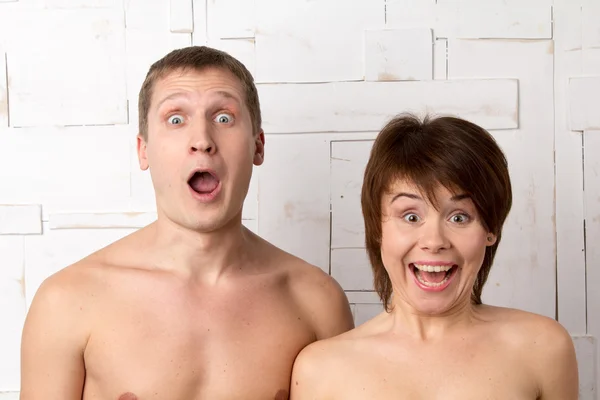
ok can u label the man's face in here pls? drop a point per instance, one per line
(200, 148)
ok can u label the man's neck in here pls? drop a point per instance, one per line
(205, 256)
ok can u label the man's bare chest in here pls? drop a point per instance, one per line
(213, 350)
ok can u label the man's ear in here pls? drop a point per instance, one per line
(141, 151)
(259, 145)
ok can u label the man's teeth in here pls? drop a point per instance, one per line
(433, 268)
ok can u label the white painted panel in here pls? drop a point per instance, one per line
(229, 19)
(440, 59)
(399, 54)
(12, 310)
(585, 349)
(591, 61)
(510, 3)
(584, 103)
(59, 248)
(20, 219)
(482, 20)
(242, 49)
(293, 204)
(329, 48)
(133, 220)
(351, 268)
(473, 20)
(9, 395)
(3, 91)
(71, 4)
(570, 255)
(84, 52)
(591, 173)
(363, 297)
(523, 275)
(365, 312)
(144, 48)
(66, 169)
(181, 16)
(410, 14)
(148, 15)
(199, 36)
(366, 106)
(590, 15)
(348, 162)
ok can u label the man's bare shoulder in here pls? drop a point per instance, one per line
(319, 296)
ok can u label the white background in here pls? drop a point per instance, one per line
(330, 73)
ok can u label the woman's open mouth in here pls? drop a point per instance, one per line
(433, 277)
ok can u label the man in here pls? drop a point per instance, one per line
(193, 306)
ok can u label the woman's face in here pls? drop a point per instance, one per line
(432, 256)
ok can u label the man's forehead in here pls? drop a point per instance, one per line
(208, 82)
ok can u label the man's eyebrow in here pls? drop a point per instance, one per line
(219, 93)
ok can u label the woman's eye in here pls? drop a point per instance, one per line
(224, 118)
(460, 218)
(176, 119)
(412, 218)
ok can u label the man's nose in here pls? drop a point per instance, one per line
(201, 139)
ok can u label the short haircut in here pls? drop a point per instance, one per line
(447, 151)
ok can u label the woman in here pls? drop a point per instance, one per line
(435, 196)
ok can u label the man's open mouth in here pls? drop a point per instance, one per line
(203, 182)
(433, 276)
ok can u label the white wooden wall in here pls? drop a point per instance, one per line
(330, 73)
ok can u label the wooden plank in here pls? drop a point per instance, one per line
(523, 275)
(348, 161)
(199, 36)
(329, 48)
(351, 268)
(440, 59)
(20, 219)
(12, 309)
(586, 351)
(570, 247)
(231, 19)
(76, 181)
(4, 118)
(590, 25)
(584, 103)
(591, 61)
(366, 106)
(363, 297)
(591, 173)
(106, 220)
(181, 16)
(473, 20)
(148, 15)
(399, 54)
(88, 86)
(293, 202)
(365, 312)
